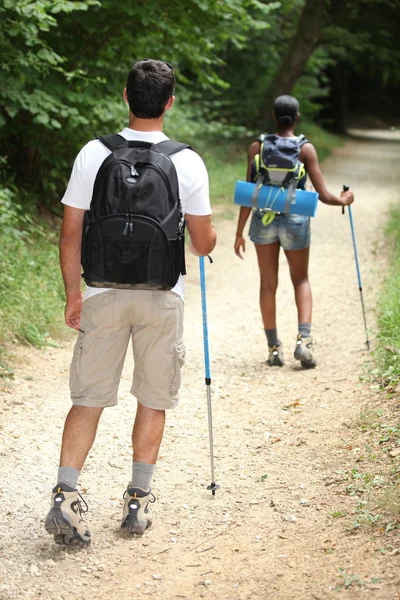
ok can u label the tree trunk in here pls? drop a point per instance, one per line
(300, 49)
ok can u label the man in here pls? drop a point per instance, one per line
(107, 319)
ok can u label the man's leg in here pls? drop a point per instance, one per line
(64, 519)
(79, 434)
(146, 440)
(159, 354)
(147, 434)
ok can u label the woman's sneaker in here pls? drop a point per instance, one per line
(303, 352)
(136, 516)
(275, 357)
(64, 519)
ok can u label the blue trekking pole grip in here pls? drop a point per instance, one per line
(213, 486)
(353, 236)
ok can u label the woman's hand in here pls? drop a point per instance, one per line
(347, 197)
(240, 243)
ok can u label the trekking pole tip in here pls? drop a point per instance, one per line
(213, 487)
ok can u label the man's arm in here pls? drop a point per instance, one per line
(70, 262)
(202, 234)
(310, 159)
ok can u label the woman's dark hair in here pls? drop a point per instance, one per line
(149, 86)
(286, 109)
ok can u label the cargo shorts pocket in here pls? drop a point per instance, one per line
(76, 368)
(179, 361)
(165, 299)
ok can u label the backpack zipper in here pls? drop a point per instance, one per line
(129, 224)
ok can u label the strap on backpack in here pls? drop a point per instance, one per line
(112, 141)
(257, 189)
(302, 140)
(170, 147)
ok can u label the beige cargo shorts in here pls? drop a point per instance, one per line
(154, 322)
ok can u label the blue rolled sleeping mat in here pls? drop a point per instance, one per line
(275, 199)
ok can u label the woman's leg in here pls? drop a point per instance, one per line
(298, 265)
(268, 261)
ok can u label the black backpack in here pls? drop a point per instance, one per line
(278, 164)
(133, 233)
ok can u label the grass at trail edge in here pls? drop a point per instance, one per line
(387, 354)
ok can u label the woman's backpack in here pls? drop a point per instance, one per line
(278, 164)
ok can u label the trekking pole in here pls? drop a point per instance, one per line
(213, 486)
(345, 188)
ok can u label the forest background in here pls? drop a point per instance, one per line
(63, 68)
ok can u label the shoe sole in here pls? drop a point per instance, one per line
(59, 525)
(306, 363)
(133, 525)
(277, 362)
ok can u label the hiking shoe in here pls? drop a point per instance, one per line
(64, 519)
(303, 352)
(275, 357)
(136, 516)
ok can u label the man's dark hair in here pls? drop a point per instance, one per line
(149, 86)
(286, 109)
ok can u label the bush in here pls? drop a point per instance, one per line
(31, 289)
(387, 354)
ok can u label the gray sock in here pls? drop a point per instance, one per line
(305, 329)
(272, 337)
(142, 474)
(68, 476)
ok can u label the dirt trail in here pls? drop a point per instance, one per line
(268, 533)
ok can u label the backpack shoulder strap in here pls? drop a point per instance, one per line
(302, 140)
(170, 147)
(112, 141)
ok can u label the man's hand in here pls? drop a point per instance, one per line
(193, 249)
(347, 197)
(240, 243)
(202, 234)
(73, 309)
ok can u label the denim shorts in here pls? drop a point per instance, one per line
(292, 231)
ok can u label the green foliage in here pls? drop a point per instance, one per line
(64, 67)
(387, 354)
(365, 34)
(349, 581)
(31, 290)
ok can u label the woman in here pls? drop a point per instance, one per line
(292, 232)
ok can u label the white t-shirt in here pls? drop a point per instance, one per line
(190, 168)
